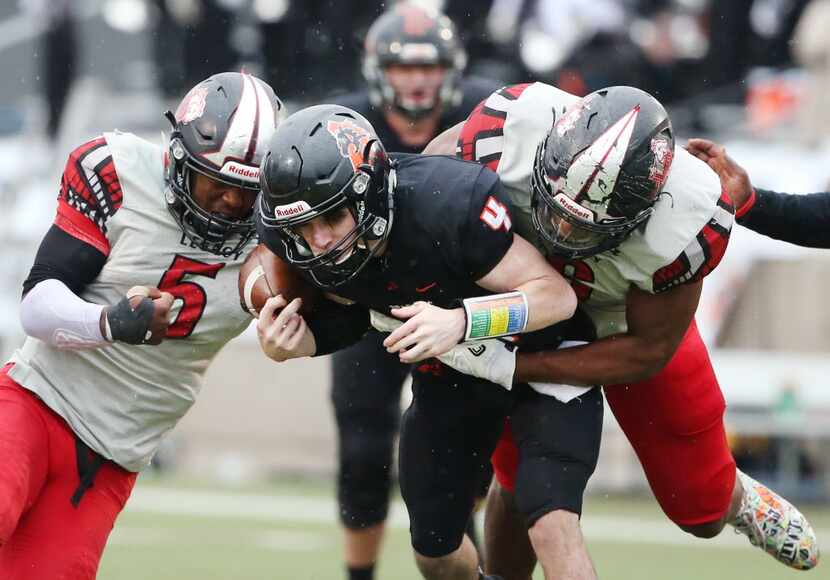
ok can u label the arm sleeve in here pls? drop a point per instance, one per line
(803, 220)
(336, 326)
(487, 233)
(76, 246)
(52, 313)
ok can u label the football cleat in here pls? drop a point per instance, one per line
(776, 526)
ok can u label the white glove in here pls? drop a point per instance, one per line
(383, 323)
(558, 391)
(492, 359)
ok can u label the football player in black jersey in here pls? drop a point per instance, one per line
(413, 63)
(424, 232)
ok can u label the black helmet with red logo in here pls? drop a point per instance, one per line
(600, 170)
(221, 129)
(412, 34)
(322, 159)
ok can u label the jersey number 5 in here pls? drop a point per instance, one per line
(191, 294)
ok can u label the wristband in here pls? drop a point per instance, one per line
(494, 316)
(747, 205)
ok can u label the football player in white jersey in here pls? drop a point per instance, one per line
(132, 294)
(636, 225)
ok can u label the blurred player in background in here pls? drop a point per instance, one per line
(413, 64)
(132, 294)
(635, 224)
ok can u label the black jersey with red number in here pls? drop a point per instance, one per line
(682, 242)
(452, 226)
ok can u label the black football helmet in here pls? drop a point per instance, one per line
(599, 171)
(220, 129)
(321, 159)
(411, 34)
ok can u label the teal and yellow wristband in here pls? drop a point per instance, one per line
(496, 315)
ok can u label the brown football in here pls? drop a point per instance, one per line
(264, 274)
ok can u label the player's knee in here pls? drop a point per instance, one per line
(364, 484)
(434, 567)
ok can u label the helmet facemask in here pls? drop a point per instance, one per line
(599, 171)
(568, 228)
(368, 196)
(211, 232)
(220, 130)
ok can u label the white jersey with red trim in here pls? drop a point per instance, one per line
(122, 399)
(682, 242)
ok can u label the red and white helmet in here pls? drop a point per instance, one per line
(221, 129)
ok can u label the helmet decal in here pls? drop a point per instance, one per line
(351, 140)
(193, 105)
(250, 172)
(605, 155)
(416, 21)
(663, 155)
(291, 209)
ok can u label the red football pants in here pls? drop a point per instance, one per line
(42, 535)
(674, 422)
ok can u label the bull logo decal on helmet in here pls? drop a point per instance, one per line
(663, 155)
(352, 140)
(193, 105)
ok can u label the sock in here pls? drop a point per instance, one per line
(367, 573)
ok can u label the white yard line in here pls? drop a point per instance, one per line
(320, 510)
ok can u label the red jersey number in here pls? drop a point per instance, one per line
(578, 273)
(193, 296)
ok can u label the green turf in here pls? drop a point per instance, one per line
(182, 547)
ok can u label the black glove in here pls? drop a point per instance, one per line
(127, 324)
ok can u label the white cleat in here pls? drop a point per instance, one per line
(776, 526)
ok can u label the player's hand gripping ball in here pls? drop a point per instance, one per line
(264, 274)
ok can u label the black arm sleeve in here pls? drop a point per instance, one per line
(336, 326)
(65, 258)
(803, 220)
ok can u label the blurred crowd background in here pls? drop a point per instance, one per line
(753, 74)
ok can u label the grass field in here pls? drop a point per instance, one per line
(286, 531)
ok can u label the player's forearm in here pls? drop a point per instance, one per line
(798, 219)
(51, 312)
(549, 300)
(335, 327)
(613, 360)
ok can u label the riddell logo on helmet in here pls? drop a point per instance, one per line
(292, 209)
(238, 170)
(573, 208)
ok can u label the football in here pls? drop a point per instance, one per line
(264, 274)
